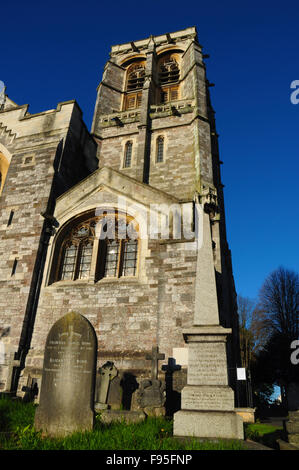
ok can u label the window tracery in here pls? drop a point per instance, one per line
(109, 243)
(169, 71)
(169, 75)
(134, 82)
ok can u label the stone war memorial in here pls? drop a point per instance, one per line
(207, 400)
(68, 379)
(118, 293)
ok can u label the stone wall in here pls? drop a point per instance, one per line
(39, 171)
(129, 316)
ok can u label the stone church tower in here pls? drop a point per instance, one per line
(153, 143)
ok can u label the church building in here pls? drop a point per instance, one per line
(151, 156)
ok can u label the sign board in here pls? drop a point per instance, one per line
(241, 373)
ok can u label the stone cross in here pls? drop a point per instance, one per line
(155, 357)
(108, 371)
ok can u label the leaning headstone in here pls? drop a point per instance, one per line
(68, 380)
(107, 373)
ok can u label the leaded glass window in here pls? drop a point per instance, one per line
(85, 259)
(128, 154)
(160, 149)
(69, 261)
(129, 258)
(83, 256)
(112, 258)
(76, 253)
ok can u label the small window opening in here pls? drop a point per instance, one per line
(160, 149)
(14, 266)
(128, 155)
(10, 218)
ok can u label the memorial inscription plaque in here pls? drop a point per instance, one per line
(68, 380)
(203, 397)
(207, 364)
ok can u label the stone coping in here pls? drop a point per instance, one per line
(159, 39)
(191, 334)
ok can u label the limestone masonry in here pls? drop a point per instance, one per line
(153, 141)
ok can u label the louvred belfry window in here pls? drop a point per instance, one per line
(169, 94)
(113, 256)
(136, 75)
(169, 75)
(169, 71)
(133, 101)
(135, 81)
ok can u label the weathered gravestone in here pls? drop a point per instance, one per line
(151, 394)
(68, 380)
(107, 373)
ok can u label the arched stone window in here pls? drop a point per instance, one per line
(97, 248)
(169, 71)
(169, 75)
(128, 154)
(135, 76)
(134, 84)
(160, 149)
(76, 252)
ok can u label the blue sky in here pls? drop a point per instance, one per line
(56, 51)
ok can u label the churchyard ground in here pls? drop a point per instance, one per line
(17, 433)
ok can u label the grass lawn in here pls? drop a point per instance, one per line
(17, 433)
(266, 434)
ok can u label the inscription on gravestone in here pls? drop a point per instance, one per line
(207, 364)
(208, 398)
(68, 380)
